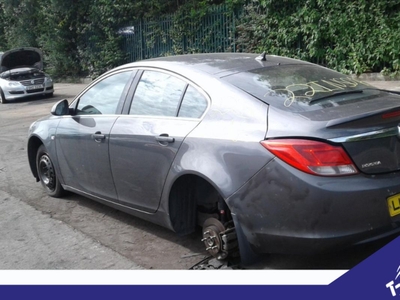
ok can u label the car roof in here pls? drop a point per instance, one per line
(217, 64)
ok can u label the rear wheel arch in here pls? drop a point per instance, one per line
(193, 199)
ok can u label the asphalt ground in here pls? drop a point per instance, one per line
(31, 239)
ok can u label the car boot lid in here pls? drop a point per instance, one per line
(22, 57)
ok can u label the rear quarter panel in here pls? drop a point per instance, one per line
(224, 148)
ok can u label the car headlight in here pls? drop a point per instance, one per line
(48, 79)
(14, 84)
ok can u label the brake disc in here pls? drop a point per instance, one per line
(212, 238)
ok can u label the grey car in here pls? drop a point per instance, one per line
(21, 75)
(268, 154)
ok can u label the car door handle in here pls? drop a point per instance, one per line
(98, 137)
(165, 138)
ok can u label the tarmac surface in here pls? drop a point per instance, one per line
(30, 238)
(39, 241)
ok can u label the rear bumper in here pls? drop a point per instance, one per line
(283, 210)
(315, 245)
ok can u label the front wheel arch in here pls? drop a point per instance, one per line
(33, 145)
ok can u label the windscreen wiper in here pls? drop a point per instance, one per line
(336, 94)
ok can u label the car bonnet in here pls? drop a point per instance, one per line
(22, 57)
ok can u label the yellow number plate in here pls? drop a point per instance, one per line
(394, 205)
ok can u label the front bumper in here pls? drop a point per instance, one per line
(11, 93)
(283, 210)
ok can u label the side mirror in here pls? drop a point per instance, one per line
(60, 108)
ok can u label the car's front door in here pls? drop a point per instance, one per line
(144, 143)
(82, 139)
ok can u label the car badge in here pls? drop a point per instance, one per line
(33, 81)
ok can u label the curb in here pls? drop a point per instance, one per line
(376, 77)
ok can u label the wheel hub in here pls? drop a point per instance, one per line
(47, 172)
(212, 230)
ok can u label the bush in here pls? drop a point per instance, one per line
(81, 37)
(349, 36)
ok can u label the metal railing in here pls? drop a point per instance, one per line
(173, 34)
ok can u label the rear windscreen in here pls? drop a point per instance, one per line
(301, 87)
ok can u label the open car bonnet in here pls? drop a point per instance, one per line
(21, 57)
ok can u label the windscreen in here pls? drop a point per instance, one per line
(301, 87)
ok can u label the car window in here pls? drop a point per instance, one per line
(103, 98)
(157, 94)
(193, 105)
(302, 87)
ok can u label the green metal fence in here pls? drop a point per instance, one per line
(173, 34)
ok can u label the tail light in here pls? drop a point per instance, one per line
(312, 157)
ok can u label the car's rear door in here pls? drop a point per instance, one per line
(165, 109)
(83, 139)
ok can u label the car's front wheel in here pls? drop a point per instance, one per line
(49, 95)
(2, 97)
(47, 173)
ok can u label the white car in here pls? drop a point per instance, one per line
(21, 75)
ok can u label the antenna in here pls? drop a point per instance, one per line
(262, 57)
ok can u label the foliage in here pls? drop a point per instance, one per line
(19, 20)
(58, 36)
(191, 33)
(350, 36)
(80, 37)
